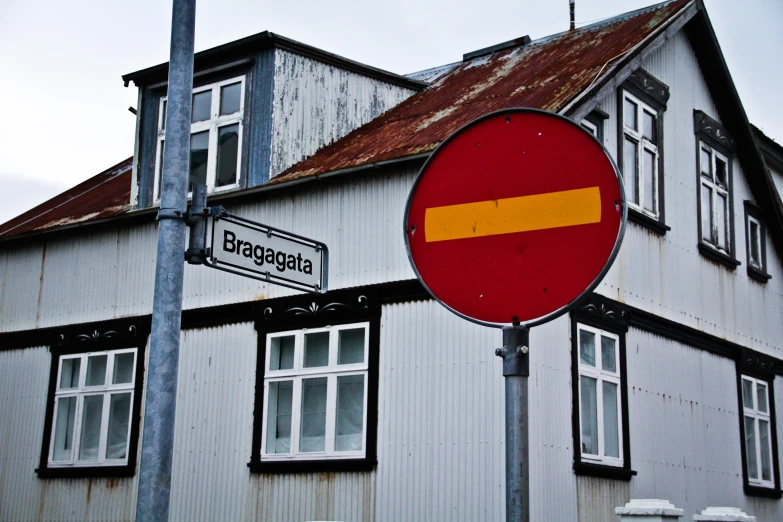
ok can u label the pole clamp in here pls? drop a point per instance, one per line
(170, 213)
(515, 351)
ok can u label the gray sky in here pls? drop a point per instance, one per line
(64, 106)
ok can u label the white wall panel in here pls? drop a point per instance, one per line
(21, 285)
(315, 104)
(23, 496)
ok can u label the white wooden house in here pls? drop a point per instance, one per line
(372, 402)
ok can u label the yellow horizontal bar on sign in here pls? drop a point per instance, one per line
(506, 216)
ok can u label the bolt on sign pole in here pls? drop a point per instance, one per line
(153, 498)
(511, 221)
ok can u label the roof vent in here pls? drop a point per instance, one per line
(517, 42)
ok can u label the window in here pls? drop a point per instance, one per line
(600, 404)
(758, 432)
(590, 127)
(714, 152)
(756, 243)
(641, 103)
(640, 155)
(315, 391)
(600, 411)
(317, 384)
(714, 199)
(93, 410)
(216, 136)
(594, 123)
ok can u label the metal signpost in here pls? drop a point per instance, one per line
(510, 222)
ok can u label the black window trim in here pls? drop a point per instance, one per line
(600, 313)
(712, 134)
(106, 335)
(762, 367)
(754, 211)
(313, 311)
(597, 118)
(654, 93)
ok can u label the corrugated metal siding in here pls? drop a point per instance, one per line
(24, 497)
(316, 104)
(666, 274)
(214, 422)
(597, 498)
(21, 286)
(441, 423)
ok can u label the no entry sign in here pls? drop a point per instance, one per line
(514, 217)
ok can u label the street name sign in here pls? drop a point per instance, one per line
(266, 253)
(514, 217)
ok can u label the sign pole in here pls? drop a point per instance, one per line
(157, 443)
(516, 369)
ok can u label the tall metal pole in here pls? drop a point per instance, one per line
(516, 369)
(152, 504)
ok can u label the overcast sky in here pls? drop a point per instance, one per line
(65, 110)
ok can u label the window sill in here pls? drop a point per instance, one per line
(758, 275)
(86, 472)
(718, 257)
(759, 491)
(646, 221)
(312, 466)
(602, 471)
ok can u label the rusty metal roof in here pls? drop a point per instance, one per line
(102, 196)
(545, 74)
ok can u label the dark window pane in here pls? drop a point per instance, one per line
(316, 349)
(160, 173)
(278, 433)
(755, 244)
(228, 146)
(611, 421)
(589, 413)
(92, 414)
(229, 99)
(350, 413)
(648, 167)
(350, 346)
(282, 353)
(648, 122)
(608, 359)
(630, 168)
(704, 162)
(96, 370)
(123, 368)
(750, 447)
(706, 213)
(202, 104)
(747, 393)
(629, 114)
(199, 155)
(313, 431)
(119, 418)
(63, 429)
(163, 117)
(721, 174)
(69, 375)
(587, 347)
(721, 207)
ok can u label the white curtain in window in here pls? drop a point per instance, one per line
(278, 436)
(313, 432)
(350, 413)
(119, 418)
(589, 413)
(91, 427)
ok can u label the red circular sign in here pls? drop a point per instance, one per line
(514, 217)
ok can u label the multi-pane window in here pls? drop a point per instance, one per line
(640, 155)
(600, 410)
(590, 127)
(215, 136)
(93, 402)
(315, 393)
(756, 244)
(714, 199)
(757, 426)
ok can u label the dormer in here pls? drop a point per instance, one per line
(260, 105)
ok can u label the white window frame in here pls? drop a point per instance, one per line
(715, 189)
(80, 392)
(642, 144)
(758, 264)
(297, 374)
(601, 376)
(757, 415)
(212, 125)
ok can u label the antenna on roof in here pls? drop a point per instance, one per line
(573, 24)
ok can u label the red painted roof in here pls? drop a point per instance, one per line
(545, 74)
(102, 196)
